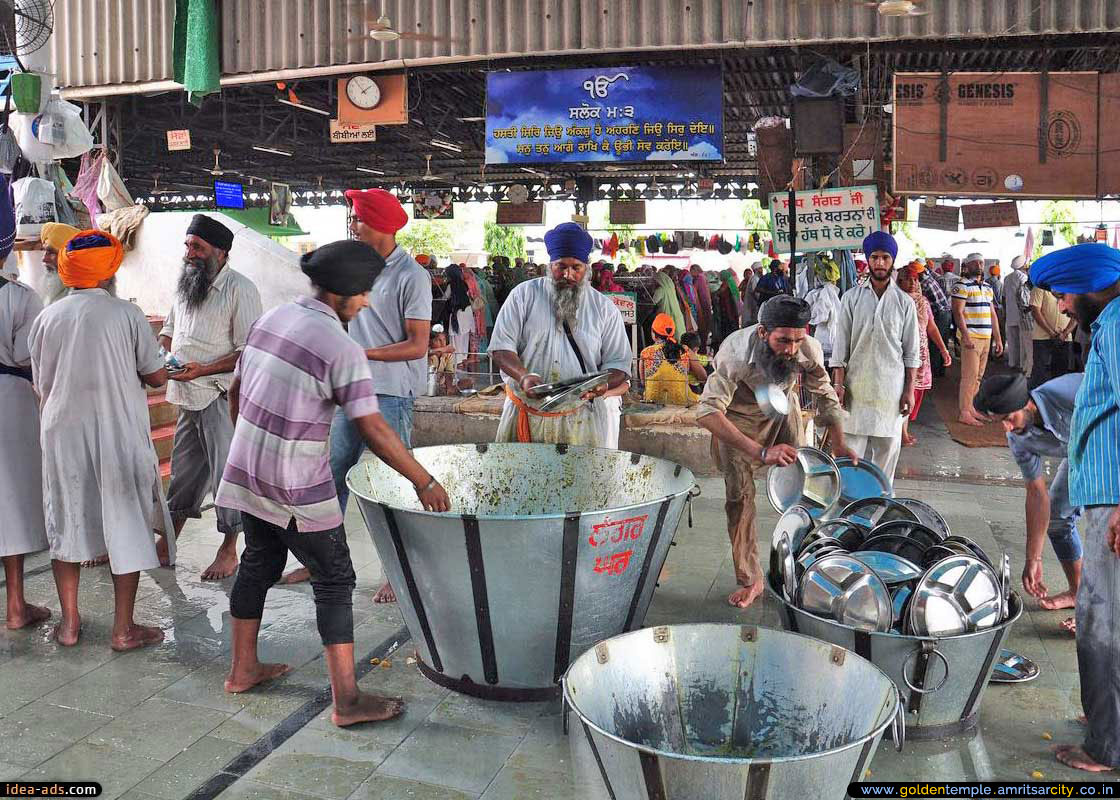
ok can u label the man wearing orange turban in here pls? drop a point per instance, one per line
(102, 491)
(90, 259)
(394, 331)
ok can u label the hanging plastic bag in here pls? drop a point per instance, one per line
(110, 188)
(10, 153)
(65, 128)
(34, 200)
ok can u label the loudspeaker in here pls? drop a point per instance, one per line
(818, 126)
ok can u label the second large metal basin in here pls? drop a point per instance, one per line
(723, 712)
(548, 549)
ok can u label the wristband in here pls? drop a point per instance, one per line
(762, 455)
(433, 482)
(526, 375)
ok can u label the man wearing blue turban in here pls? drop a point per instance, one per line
(555, 328)
(875, 358)
(1086, 281)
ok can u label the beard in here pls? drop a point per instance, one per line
(195, 280)
(565, 302)
(53, 287)
(777, 368)
(1086, 310)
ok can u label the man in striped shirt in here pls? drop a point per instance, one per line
(977, 330)
(297, 366)
(1086, 281)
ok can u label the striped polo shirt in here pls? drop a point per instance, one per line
(1094, 438)
(978, 298)
(297, 365)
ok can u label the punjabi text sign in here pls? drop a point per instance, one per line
(827, 219)
(627, 304)
(604, 114)
(939, 218)
(991, 215)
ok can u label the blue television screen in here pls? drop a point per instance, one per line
(228, 194)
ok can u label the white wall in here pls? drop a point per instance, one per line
(150, 271)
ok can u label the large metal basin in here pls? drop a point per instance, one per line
(724, 712)
(548, 549)
(941, 679)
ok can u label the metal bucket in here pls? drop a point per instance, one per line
(723, 712)
(549, 549)
(941, 679)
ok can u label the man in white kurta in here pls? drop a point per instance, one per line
(90, 353)
(22, 530)
(531, 347)
(875, 358)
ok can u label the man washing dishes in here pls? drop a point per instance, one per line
(1086, 281)
(552, 329)
(777, 351)
(876, 356)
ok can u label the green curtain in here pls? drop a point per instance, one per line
(196, 48)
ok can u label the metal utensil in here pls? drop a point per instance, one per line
(573, 392)
(891, 567)
(927, 515)
(842, 530)
(786, 566)
(1014, 668)
(968, 546)
(958, 595)
(861, 481)
(810, 557)
(794, 523)
(874, 511)
(772, 400)
(912, 530)
(1005, 584)
(812, 481)
(847, 590)
(896, 543)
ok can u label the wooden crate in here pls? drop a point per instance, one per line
(1108, 180)
(993, 135)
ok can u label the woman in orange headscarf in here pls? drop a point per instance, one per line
(666, 365)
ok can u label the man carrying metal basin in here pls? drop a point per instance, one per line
(297, 366)
(554, 329)
(745, 437)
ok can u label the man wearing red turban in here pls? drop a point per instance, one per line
(394, 332)
(101, 483)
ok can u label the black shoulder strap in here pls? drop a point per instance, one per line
(575, 347)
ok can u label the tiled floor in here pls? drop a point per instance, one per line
(155, 723)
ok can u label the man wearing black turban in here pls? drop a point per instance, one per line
(205, 330)
(298, 366)
(1037, 424)
(744, 439)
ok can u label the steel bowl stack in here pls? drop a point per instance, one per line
(886, 578)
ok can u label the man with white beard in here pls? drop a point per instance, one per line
(206, 330)
(552, 329)
(54, 236)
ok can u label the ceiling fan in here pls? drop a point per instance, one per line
(898, 8)
(217, 170)
(428, 176)
(381, 30)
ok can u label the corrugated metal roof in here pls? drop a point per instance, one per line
(112, 42)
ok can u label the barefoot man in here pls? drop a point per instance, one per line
(777, 351)
(1086, 281)
(21, 484)
(1037, 424)
(90, 353)
(205, 329)
(297, 366)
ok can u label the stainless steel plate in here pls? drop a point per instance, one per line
(794, 523)
(810, 557)
(927, 515)
(872, 512)
(890, 567)
(957, 595)
(1005, 584)
(911, 530)
(812, 481)
(787, 569)
(967, 546)
(847, 590)
(861, 481)
(896, 543)
(772, 399)
(1014, 668)
(837, 529)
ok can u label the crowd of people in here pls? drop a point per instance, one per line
(274, 408)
